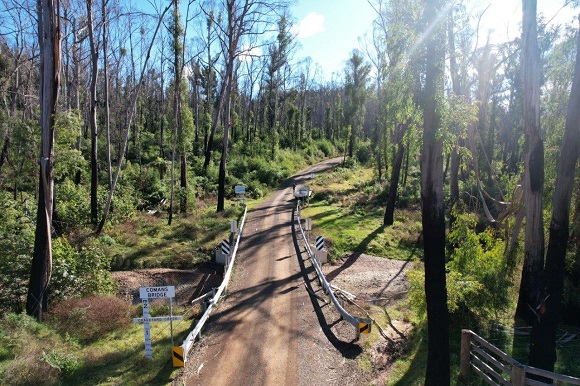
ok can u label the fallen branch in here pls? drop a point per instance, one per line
(347, 294)
(391, 324)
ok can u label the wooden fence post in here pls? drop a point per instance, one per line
(465, 365)
(518, 374)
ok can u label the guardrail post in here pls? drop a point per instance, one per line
(518, 374)
(465, 366)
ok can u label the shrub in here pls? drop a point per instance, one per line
(80, 273)
(477, 281)
(73, 205)
(480, 282)
(326, 147)
(87, 319)
(16, 244)
(364, 153)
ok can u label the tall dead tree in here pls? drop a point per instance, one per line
(49, 36)
(243, 18)
(93, 112)
(131, 114)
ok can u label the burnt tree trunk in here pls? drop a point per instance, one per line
(433, 216)
(543, 345)
(530, 287)
(49, 36)
(395, 175)
(93, 114)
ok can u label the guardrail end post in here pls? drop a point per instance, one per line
(465, 365)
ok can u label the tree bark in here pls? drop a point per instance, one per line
(106, 93)
(543, 344)
(49, 36)
(433, 216)
(93, 114)
(530, 287)
(395, 175)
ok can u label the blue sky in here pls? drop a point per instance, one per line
(328, 30)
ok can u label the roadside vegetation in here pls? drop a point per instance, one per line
(347, 209)
(88, 336)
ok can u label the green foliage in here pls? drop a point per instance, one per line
(79, 273)
(16, 245)
(364, 152)
(326, 147)
(477, 280)
(22, 170)
(68, 160)
(457, 115)
(64, 362)
(72, 205)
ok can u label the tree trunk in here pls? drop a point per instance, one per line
(543, 345)
(49, 35)
(530, 287)
(93, 114)
(433, 216)
(457, 90)
(395, 175)
(106, 93)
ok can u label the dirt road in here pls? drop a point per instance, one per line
(266, 331)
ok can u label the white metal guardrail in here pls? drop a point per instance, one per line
(358, 324)
(188, 342)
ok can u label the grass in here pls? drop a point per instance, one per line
(147, 242)
(348, 212)
(117, 358)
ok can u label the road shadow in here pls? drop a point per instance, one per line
(347, 349)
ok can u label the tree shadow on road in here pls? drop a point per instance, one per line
(347, 349)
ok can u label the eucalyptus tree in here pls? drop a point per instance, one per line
(278, 57)
(433, 215)
(533, 182)
(355, 89)
(398, 79)
(18, 62)
(49, 36)
(543, 338)
(94, 69)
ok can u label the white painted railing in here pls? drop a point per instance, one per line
(327, 287)
(188, 342)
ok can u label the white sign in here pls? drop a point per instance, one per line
(157, 319)
(167, 291)
(240, 189)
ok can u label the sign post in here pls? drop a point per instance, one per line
(147, 293)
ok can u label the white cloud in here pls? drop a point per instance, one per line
(248, 53)
(312, 24)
